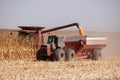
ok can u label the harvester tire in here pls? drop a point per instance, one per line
(59, 55)
(96, 54)
(39, 57)
(70, 55)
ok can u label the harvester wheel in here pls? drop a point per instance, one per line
(70, 55)
(38, 56)
(96, 54)
(59, 55)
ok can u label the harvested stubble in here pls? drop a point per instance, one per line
(78, 70)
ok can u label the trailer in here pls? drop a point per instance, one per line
(65, 48)
(86, 46)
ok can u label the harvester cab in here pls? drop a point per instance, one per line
(53, 42)
(56, 42)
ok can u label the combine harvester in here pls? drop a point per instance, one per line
(65, 48)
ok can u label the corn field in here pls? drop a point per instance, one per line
(12, 48)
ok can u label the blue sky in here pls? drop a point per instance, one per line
(92, 15)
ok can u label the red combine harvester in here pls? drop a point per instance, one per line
(66, 48)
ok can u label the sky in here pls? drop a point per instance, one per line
(92, 15)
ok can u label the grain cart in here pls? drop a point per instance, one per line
(66, 48)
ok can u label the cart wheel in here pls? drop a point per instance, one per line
(96, 54)
(70, 55)
(59, 55)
